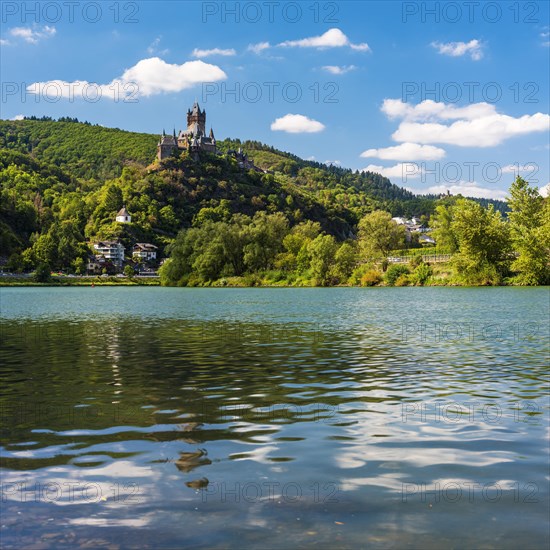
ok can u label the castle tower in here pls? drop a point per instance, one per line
(166, 145)
(197, 116)
(194, 138)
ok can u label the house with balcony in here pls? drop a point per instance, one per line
(112, 251)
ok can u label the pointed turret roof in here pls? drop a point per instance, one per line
(123, 212)
(196, 108)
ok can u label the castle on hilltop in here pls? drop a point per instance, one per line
(193, 139)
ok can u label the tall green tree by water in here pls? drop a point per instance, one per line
(529, 220)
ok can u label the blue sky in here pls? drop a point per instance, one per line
(435, 95)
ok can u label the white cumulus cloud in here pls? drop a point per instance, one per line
(484, 132)
(402, 171)
(476, 125)
(474, 48)
(33, 35)
(545, 191)
(147, 77)
(333, 38)
(297, 124)
(154, 49)
(406, 151)
(154, 76)
(335, 69)
(214, 51)
(434, 110)
(18, 117)
(259, 47)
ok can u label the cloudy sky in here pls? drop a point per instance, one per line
(436, 96)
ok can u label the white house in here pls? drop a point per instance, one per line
(145, 251)
(110, 250)
(123, 216)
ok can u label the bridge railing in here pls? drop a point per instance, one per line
(428, 258)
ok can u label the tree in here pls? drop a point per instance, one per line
(322, 251)
(442, 232)
(265, 234)
(483, 243)
(79, 265)
(43, 273)
(112, 201)
(128, 270)
(345, 261)
(296, 243)
(527, 217)
(379, 234)
(234, 237)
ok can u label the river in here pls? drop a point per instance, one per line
(274, 418)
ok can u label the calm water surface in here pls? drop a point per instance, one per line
(274, 418)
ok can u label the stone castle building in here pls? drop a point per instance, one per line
(193, 139)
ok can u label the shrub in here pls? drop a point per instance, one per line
(422, 273)
(252, 279)
(394, 272)
(416, 261)
(403, 280)
(42, 273)
(275, 275)
(371, 278)
(358, 272)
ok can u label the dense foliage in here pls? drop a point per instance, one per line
(300, 222)
(489, 248)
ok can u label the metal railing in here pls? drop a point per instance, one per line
(428, 258)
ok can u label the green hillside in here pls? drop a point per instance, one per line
(62, 183)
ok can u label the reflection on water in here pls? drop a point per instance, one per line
(274, 418)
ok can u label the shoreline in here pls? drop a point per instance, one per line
(156, 283)
(10, 281)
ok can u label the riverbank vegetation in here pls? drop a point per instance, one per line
(485, 249)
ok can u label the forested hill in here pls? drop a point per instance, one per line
(62, 183)
(83, 150)
(96, 152)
